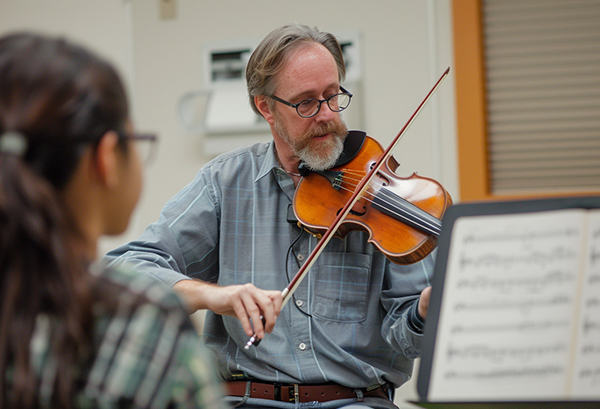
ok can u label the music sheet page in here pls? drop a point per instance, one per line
(508, 327)
(586, 382)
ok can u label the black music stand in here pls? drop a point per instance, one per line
(453, 214)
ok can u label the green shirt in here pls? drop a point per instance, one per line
(144, 355)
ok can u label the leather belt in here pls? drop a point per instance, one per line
(304, 393)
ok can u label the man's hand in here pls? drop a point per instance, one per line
(246, 302)
(424, 302)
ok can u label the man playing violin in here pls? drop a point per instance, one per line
(229, 243)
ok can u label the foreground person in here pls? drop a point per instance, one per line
(74, 334)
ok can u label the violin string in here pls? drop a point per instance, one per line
(423, 224)
(388, 200)
(402, 204)
(381, 189)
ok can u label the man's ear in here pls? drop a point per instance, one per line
(263, 106)
(106, 161)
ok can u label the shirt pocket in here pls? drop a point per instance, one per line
(342, 286)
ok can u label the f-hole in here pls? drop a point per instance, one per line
(385, 181)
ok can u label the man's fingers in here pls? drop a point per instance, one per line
(256, 309)
(272, 309)
(423, 305)
(254, 313)
(242, 315)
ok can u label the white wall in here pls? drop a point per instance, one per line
(406, 45)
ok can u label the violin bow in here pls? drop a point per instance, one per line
(362, 186)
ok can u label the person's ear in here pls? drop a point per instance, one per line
(106, 160)
(263, 107)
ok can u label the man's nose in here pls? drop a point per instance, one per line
(325, 114)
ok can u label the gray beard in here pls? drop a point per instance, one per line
(316, 162)
(314, 159)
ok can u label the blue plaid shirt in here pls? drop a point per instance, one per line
(353, 319)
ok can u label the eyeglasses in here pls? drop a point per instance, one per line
(311, 106)
(146, 145)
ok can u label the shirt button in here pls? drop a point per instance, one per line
(300, 257)
(299, 303)
(302, 346)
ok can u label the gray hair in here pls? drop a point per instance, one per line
(269, 57)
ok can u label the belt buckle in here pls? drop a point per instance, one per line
(294, 396)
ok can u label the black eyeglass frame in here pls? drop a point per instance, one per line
(152, 138)
(320, 101)
(122, 135)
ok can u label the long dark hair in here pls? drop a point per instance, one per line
(61, 99)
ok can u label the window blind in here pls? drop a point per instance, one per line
(542, 62)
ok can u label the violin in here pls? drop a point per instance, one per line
(401, 215)
(377, 196)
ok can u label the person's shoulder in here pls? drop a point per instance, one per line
(128, 285)
(143, 335)
(240, 156)
(224, 170)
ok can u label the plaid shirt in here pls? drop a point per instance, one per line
(146, 356)
(351, 320)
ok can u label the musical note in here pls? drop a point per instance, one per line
(487, 353)
(503, 304)
(590, 325)
(509, 285)
(590, 349)
(522, 327)
(528, 372)
(523, 237)
(591, 376)
(535, 259)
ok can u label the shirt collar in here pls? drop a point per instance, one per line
(269, 164)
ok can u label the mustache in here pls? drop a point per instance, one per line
(330, 127)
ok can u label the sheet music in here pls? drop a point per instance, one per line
(512, 290)
(586, 382)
